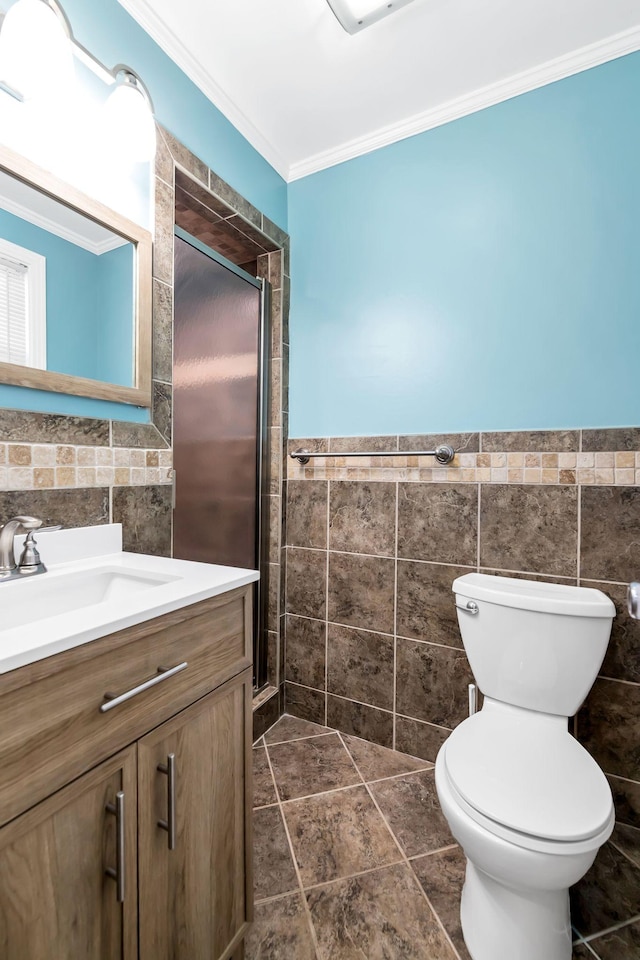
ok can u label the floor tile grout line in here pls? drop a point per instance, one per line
(625, 854)
(305, 905)
(407, 863)
(612, 929)
(307, 736)
(351, 786)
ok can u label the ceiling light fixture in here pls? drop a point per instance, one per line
(355, 15)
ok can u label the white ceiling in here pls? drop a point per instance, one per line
(308, 95)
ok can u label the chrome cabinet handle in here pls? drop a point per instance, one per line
(633, 600)
(169, 769)
(469, 607)
(117, 873)
(111, 700)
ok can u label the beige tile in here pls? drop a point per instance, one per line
(86, 476)
(44, 455)
(104, 456)
(138, 458)
(532, 474)
(484, 460)
(19, 478)
(121, 457)
(153, 458)
(515, 459)
(153, 475)
(605, 475)
(138, 475)
(567, 461)
(625, 460)
(19, 455)
(104, 476)
(166, 458)
(549, 461)
(86, 456)
(483, 474)
(43, 477)
(532, 460)
(122, 476)
(498, 460)
(3, 453)
(549, 475)
(625, 476)
(65, 456)
(605, 461)
(65, 476)
(499, 474)
(586, 460)
(515, 476)
(586, 475)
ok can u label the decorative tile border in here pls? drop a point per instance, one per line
(528, 465)
(43, 466)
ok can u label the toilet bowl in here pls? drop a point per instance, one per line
(528, 805)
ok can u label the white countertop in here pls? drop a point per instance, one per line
(73, 556)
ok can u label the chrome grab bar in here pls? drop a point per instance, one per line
(163, 674)
(443, 454)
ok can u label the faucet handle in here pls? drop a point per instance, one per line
(29, 523)
(30, 555)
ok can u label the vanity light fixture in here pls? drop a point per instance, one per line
(129, 116)
(35, 50)
(355, 15)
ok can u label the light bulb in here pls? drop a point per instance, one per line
(35, 52)
(129, 121)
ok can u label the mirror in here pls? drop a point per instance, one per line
(75, 290)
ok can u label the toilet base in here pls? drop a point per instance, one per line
(500, 923)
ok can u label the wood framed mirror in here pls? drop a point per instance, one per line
(75, 290)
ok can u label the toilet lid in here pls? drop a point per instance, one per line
(529, 775)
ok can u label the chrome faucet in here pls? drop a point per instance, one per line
(30, 562)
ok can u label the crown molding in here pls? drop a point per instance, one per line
(143, 13)
(65, 233)
(576, 62)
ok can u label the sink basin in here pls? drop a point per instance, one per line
(31, 600)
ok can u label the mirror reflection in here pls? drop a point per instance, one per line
(67, 289)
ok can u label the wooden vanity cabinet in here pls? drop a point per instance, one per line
(161, 821)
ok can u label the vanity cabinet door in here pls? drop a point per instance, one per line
(56, 898)
(193, 779)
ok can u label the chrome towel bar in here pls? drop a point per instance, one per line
(443, 454)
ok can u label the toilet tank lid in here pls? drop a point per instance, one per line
(537, 596)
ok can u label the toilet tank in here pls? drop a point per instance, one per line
(534, 645)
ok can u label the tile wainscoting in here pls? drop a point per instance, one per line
(373, 545)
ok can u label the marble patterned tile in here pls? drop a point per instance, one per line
(603, 556)
(626, 797)
(362, 517)
(622, 659)
(378, 444)
(184, 157)
(306, 582)
(162, 331)
(307, 513)
(80, 507)
(264, 792)
(280, 931)
(293, 728)
(273, 869)
(312, 765)
(140, 435)
(581, 951)
(529, 527)
(410, 806)
(163, 238)
(608, 726)
(461, 442)
(161, 409)
(622, 944)
(441, 876)
(145, 514)
(360, 665)
(305, 651)
(613, 438)
(432, 682)
(361, 591)
(523, 441)
(305, 702)
(426, 607)
(627, 840)
(438, 522)
(360, 720)
(381, 916)
(337, 835)
(23, 426)
(607, 895)
(419, 738)
(376, 763)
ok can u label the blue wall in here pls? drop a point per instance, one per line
(485, 274)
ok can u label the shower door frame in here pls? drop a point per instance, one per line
(260, 595)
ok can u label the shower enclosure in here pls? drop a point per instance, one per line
(219, 408)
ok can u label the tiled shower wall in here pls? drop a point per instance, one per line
(79, 471)
(374, 544)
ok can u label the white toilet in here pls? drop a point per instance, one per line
(524, 800)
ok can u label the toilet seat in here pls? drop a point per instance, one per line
(523, 777)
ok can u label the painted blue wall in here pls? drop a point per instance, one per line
(482, 275)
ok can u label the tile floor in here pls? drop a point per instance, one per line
(353, 859)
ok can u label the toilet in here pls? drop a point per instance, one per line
(527, 804)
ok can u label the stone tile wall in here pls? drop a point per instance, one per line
(373, 545)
